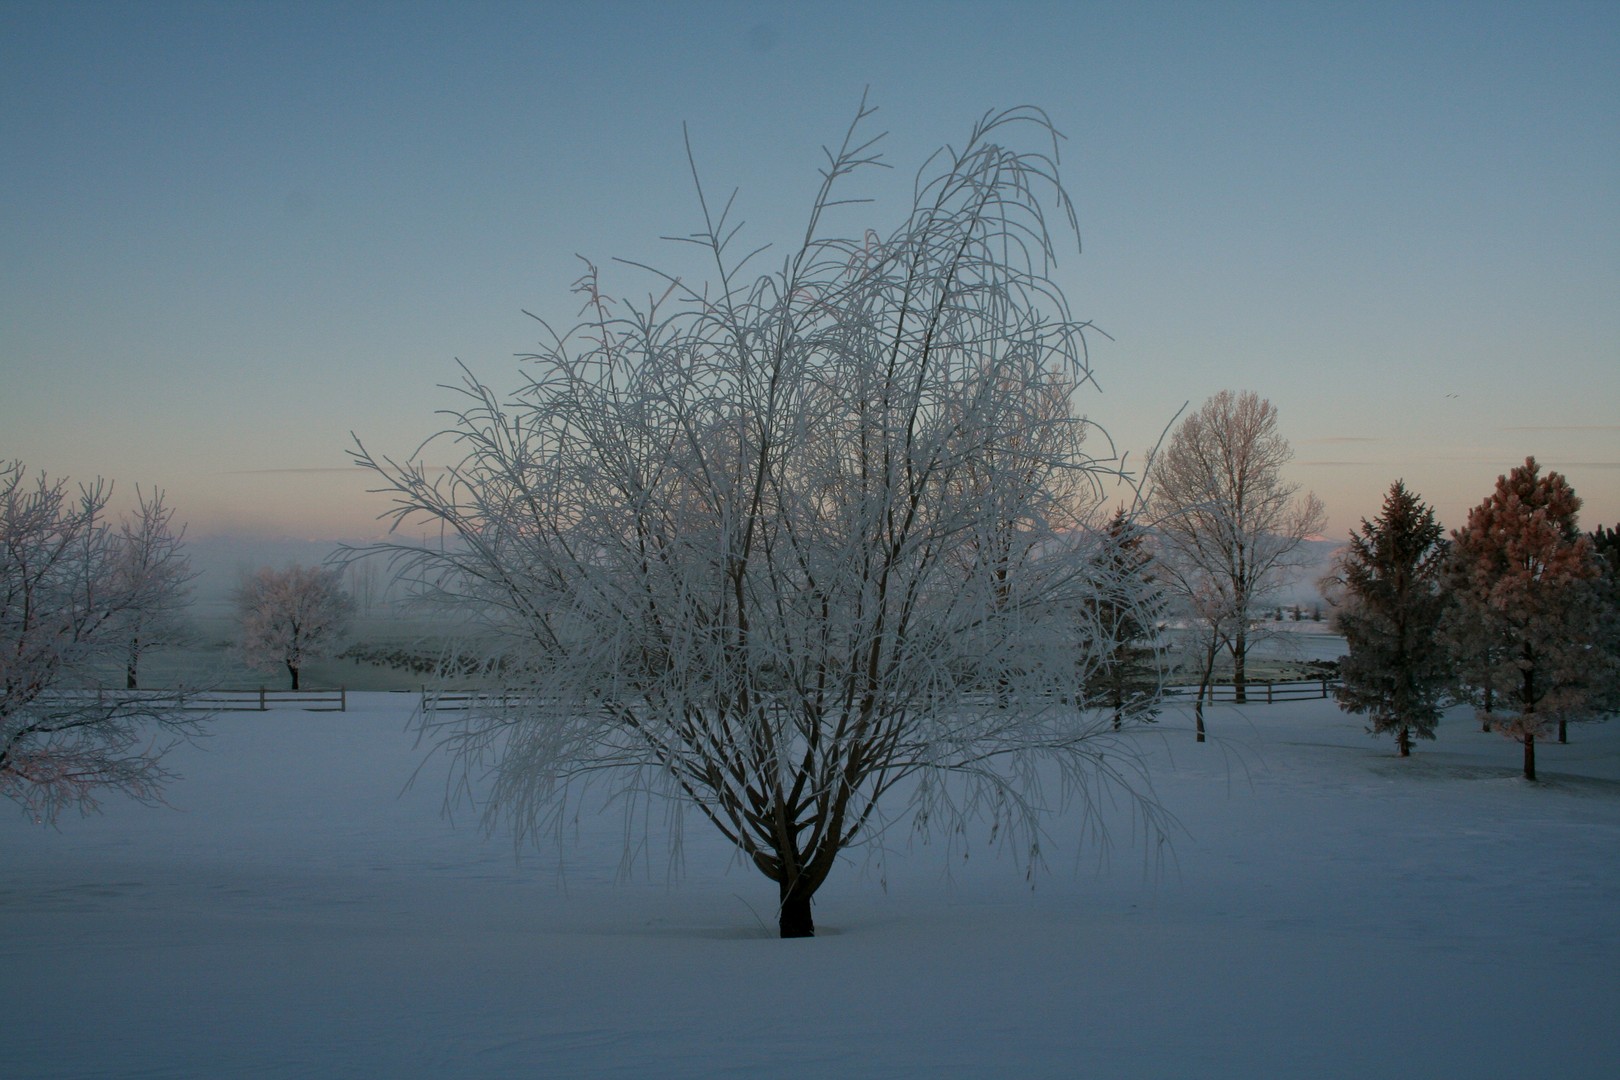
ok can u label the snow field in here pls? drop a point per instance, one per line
(1328, 910)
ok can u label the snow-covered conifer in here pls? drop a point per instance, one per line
(1131, 615)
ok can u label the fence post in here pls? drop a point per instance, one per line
(262, 705)
(1269, 685)
(1324, 686)
(343, 699)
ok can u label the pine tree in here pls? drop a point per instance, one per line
(1130, 614)
(1397, 672)
(1525, 584)
(1606, 542)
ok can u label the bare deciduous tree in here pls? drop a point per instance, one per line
(152, 565)
(792, 545)
(1232, 528)
(68, 601)
(291, 616)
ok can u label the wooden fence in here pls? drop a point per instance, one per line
(257, 700)
(1258, 693)
(464, 700)
(263, 700)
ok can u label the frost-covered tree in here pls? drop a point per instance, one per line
(291, 616)
(68, 600)
(1525, 579)
(1228, 521)
(1397, 672)
(151, 561)
(1208, 622)
(802, 550)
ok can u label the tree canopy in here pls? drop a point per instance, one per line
(794, 547)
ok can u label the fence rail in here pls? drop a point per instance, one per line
(1258, 693)
(259, 699)
(465, 700)
(263, 700)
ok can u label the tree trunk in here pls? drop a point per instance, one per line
(793, 918)
(1527, 707)
(1204, 678)
(294, 671)
(1405, 740)
(1563, 730)
(1240, 656)
(131, 680)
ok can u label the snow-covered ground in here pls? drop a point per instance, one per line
(1329, 911)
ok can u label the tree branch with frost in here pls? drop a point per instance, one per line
(73, 591)
(790, 546)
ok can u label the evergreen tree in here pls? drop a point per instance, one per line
(1606, 542)
(1397, 671)
(1526, 585)
(1130, 615)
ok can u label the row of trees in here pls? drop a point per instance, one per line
(85, 594)
(810, 551)
(1518, 613)
(82, 594)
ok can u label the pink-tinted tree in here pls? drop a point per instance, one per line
(291, 616)
(1397, 671)
(152, 567)
(1228, 522)
(1525, 580)
(67, 604)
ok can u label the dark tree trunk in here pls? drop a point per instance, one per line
(1240, 678)
(1527, 699)
(1204, 678)
(1563, 730)
(1405, 739)
(131, 680)
(294, 672)
(793, 918)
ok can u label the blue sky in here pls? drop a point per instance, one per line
(232, 233)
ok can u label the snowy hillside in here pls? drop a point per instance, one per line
(1329, 911)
